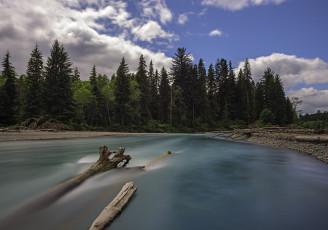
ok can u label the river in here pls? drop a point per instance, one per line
(207, 183)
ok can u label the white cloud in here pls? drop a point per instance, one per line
(183, 18)
(215, 33)
(291, 69)
(234, 5)
(156, 9)
(83, 31)
(150, 31)
(313, 99)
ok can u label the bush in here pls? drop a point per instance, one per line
(267, 117)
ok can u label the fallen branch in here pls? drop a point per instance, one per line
(103, 164)
(115, 207)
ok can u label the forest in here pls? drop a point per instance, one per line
(185, 98)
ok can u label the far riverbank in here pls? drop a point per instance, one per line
(23, 135)
(304, 141)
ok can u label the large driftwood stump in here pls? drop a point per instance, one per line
(103, 164)
(115, 207)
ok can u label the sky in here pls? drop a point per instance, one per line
(289, 36)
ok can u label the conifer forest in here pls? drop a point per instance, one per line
(185, 98)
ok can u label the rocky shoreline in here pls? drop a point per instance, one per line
(304, 141)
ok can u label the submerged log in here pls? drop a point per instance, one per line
(103, 164)
(115, 207)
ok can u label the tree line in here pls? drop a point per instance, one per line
(187, 97)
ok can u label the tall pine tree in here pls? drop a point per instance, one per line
(164, 94)
(182, 85)
(33, 103)
(154, 91)
(58, 91)
(9, 93)
(122, 92)
(144, 86)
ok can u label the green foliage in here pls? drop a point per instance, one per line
(144, 86)
(164, 97)
(122, 92)
(58, 92)
(8, 93)
(189, 100)
(267, 117)
(33, 106)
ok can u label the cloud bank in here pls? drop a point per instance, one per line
(234, 5)
(294, 72)
(93, 32)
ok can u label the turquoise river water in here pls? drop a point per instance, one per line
(207, 183)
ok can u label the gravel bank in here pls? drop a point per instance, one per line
(49, 135)
(303, 141)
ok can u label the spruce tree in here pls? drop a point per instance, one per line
(221, 71)
(122, 91)
(182, 86)
(94, 115)
(247, 89)
(231, 93)
(58, 91)
(154, 91)
(165, 96)
(9, 93)
(203, 90)
(33, 104)
(144, 86)
(76, 75)
(212, 98)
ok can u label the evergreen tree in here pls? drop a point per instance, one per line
(289, 113)
(144, 87)
(58, 91)
(221, 72)
(182, 86)
(269, 94)
(34, 97)
(95, 115)
(154, 91)
(231, 93)
(122, 91)
(203, 90)
(180, 68)
(195, 96)
(22, 89)
(246, 89)
(9, 93)
(212, 96)
(76, 75)
(164, 92)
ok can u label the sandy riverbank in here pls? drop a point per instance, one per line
(49, 135)
(303, 141)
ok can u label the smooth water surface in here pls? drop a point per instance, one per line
(207, 183)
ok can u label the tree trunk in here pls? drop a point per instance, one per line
(115, 207)
(103, 164)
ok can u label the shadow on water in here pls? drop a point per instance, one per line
(208, 183)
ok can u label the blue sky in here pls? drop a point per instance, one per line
(290, 36)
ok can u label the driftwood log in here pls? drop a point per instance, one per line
(115, 207)
(315, 139)
(103, 164)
